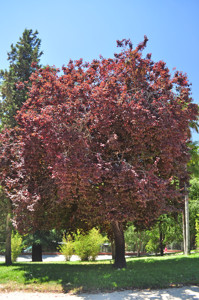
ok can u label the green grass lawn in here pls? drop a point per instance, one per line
(147, 272)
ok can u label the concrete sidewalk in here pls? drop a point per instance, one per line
(53, 257)
(185, 293)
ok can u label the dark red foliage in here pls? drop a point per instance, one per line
(105, 141)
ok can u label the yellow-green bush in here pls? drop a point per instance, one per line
(67, 248)
(16, 245)
(87, 246)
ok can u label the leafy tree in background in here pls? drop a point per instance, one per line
(197, 231)
(21, 59)
(136, 239)
(193, 207)
(166, 231)
(193, 168)
(22, 55)
(170, 230)
(107, 141)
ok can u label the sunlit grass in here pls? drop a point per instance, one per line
(146, 272)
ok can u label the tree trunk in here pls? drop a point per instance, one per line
(120, 261)
(36, 252)
(8, 257)
(138, 246)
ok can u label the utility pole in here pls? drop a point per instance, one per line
(186, 224)
(8, 258)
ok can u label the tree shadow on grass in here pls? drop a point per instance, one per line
(99, 276)
(81, 277)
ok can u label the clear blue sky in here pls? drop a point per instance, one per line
(87, 28)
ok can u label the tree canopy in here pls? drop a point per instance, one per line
(106, 141)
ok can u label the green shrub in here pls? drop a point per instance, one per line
(87, 246)
(16, 245)
(153, 245)
(67, 248)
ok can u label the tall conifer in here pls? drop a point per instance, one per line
(21, 56)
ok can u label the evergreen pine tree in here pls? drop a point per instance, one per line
(21, 57)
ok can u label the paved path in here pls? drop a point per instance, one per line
(54, 257)
(173, 293)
